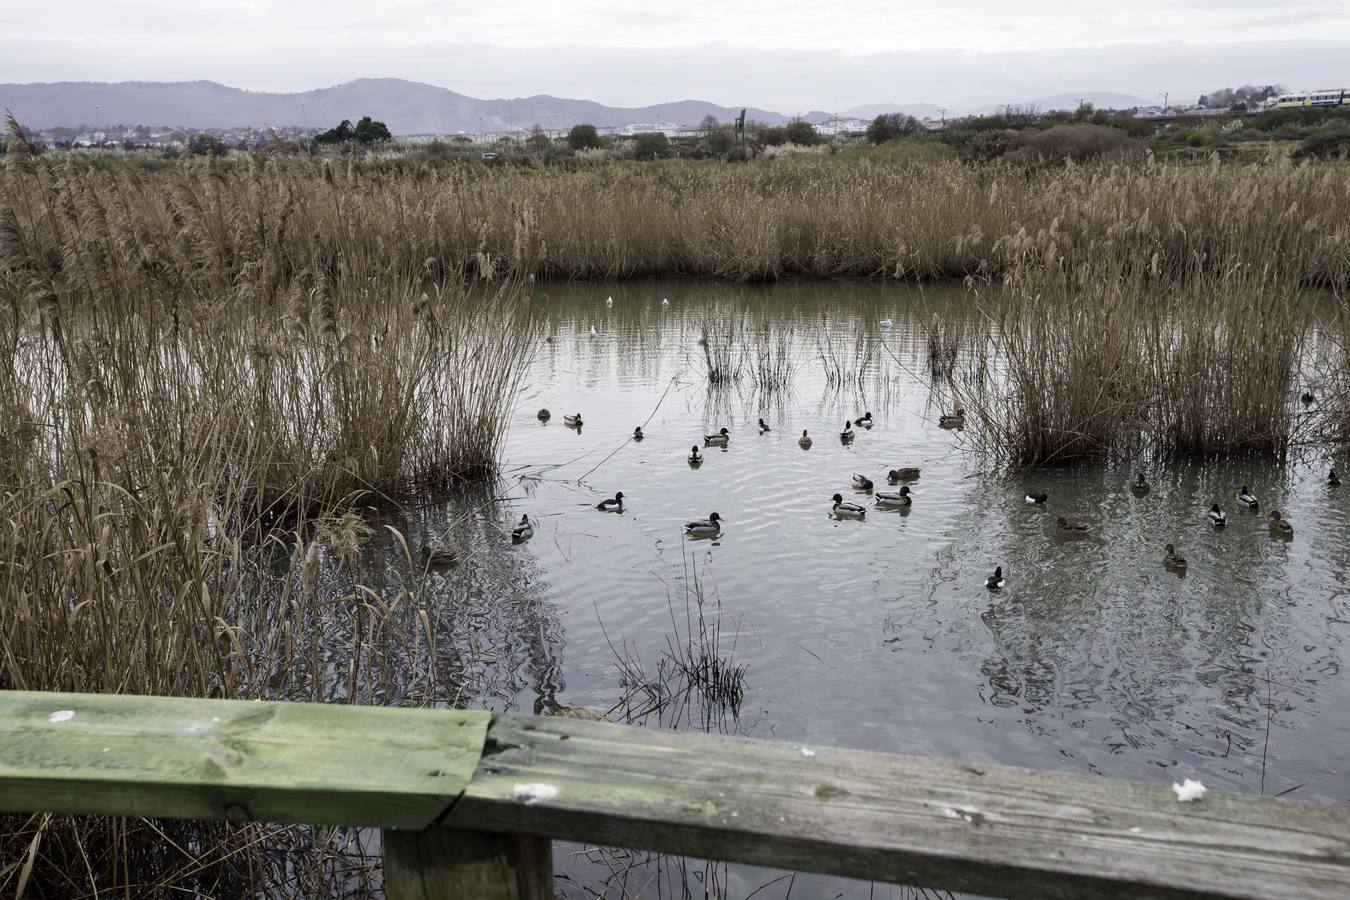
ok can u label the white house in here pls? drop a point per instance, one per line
(668, 129)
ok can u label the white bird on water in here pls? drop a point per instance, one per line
(665, 302)
(886, 323)
(609, 301)
(593, 331)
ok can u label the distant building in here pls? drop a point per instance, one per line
(669, 129)
(842, 125)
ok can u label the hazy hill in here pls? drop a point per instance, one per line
(407, 107)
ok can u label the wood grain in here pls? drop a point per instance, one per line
(237, 760)
(938, 823)
(452, 864)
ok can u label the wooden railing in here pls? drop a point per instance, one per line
(468, 801)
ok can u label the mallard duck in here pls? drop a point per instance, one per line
(439, 559)
(637, 433)
(1140, 486)
(524, 531)
(1307, 397)
(995, 582)
(764, 427)
(1037, 499)
(1067, 527)
(543, 415)
(805, 440)
(1333, 479)
(721, 439)
(865, 420)
(572, 421)
(1217, 517)
(1279, 526)
(847, 434)
(844, 510)
(710, 525)
(1171, 560)
(908, 473)
(1245, 496)
(956, 419)
(861, 482)
(695, 458)
(895, 498)
(613, 504)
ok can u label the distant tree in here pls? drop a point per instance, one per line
(583, 137)
(339, 135)
(720, 140)
(560, 155)
(202, 144)
(538, 142)
(802, 132)
(652, 145)
(709, 123)
(366, 131)
(889, 126)
(772, 136)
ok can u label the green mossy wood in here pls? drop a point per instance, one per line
(168, 757)
(987, 829)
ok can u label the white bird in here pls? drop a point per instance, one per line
(609, 301)
(847, 510)
(665, 302)
(710, 525)
(524, 531)
(886, 323)
(593, 331)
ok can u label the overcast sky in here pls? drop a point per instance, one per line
(787, 55)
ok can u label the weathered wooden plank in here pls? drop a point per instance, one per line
(452, 864)
(227, 759)
(973, 827)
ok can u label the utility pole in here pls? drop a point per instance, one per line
(942, 111)
(1164, 95)
(305, 119)
(1081, 101)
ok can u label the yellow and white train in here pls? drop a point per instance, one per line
(1313, 98)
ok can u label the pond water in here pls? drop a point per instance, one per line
(880, 634)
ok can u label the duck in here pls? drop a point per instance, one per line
(524, 531)
(439, 559)
(865, 420)
(665, 301)
(885, 323)
(1067, 527)
(637, 433)
(1278, 525)
(861, 482)
(1171, 560)
(844, 510)
(1245, 496)
(907, 473)
(1333, 479)
(593, 331)
(995, 582)
(721, 439)
(710, 525)
(764, 427)
(695, 458)
(1307, 397)
(613, 504)
(1217, 517)
(805, 440)
(609, 301)
(1037, 499)
(1140, 486)
(956, 419)
(572, 421)
(543, 415)
(847, 434)
(895, 498)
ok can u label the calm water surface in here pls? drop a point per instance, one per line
(880, 634)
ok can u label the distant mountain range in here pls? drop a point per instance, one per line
(407, 107)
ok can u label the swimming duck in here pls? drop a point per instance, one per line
(1307, 397)
(695, 458)
(609, 301)
(637, 433)
(908, 473)
(572, 421)
(524, 531)
(1140, 486)
(593, 331)
(895, 498)
(1171, 560)
(805, 440)
(1217, 517)
(886, 323)
(1279, 526)
(1067, 527)
(439, 559)
(956, 419)
(995, 581)
(665, 302)
(1333, 479)
(764, 427)
(847, 434)
(1037, 499)
(721, 439)
(710, 525)
(865, 420)
(1245, 496)
(543, 415)
(614, 504)
(844, 510)
(861, 482)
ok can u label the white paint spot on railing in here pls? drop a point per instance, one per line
(61, 715)
(533, 793)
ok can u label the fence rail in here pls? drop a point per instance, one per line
(469, 801)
